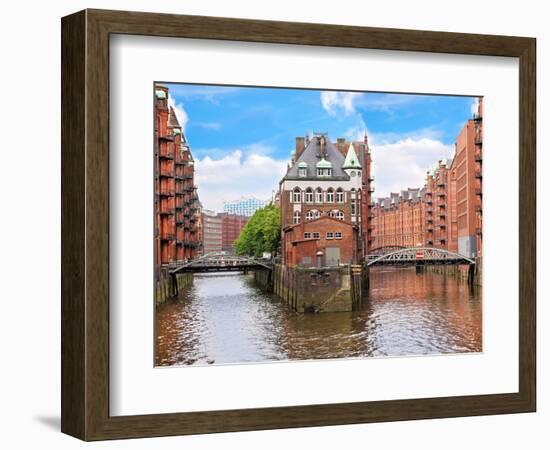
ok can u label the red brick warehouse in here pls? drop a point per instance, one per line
(447, 211)
(232, 225)
(177, 206)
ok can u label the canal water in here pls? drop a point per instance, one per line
(226, 318)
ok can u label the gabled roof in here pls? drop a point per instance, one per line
(311, 156)
(318, 219)
(172, 119)
(351, 161)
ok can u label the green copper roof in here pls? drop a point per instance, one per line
(324, 164)
(351, 161)
(160, 94)
(303, 164)
(191, 163)
(177, 131)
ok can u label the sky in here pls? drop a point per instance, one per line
(242, 137)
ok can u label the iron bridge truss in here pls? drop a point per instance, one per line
(221, 262)
(419, 256)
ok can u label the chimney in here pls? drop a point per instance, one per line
(366, 140)
(341, 144)
(300, 146)
(307, 138)
(322, 146)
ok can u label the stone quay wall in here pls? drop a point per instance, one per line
(169, 286)
(459, 272)
(328, 289)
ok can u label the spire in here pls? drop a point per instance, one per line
(172, 119)
(351, 161)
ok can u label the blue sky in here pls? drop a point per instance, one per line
(241, 137)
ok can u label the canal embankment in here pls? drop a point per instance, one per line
(460, 272)
(325, 289)
(168, 286)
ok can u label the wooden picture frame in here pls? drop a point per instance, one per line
(85, 224)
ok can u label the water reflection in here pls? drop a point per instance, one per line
(225, 318)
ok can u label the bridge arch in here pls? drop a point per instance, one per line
(382, 250)
(419, 256)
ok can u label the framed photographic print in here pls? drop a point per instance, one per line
(271, 225)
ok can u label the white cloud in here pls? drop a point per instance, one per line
(347, 102)
(385, 102)
(357, 132)
(416, 135)
(180, 112)
(237, 174)
(474, 106)
(402, 164)
(335, 101)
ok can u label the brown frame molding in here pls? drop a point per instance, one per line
(85, 224)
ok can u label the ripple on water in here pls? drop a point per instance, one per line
(224, 318)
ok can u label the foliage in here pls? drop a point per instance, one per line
(262, 233)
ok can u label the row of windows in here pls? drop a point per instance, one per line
(302, 172)
(315, 214)
(329, 235)
(308, 195)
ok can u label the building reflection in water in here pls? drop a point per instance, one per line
(225, 318)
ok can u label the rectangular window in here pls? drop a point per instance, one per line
(307, 235)
(316, 235)
(338, 235)
(330, 235)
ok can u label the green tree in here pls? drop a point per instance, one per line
(262, 233)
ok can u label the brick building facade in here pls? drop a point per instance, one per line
(447, 212)
(232, 225)
(468, 162)
(177, 207)
(212, 232)
(401, 220)
(325, 202)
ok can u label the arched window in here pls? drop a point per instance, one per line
(313, 214)
(296, 217)
(309, 196)
(297, 196)
(330, 195)
(337, 214)
(339, 195)
(318, 195)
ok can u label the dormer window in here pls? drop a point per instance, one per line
(324, 172)
(302, 169)
(324, 168)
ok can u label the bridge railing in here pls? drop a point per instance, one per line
(419, 256)
(222, 262)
